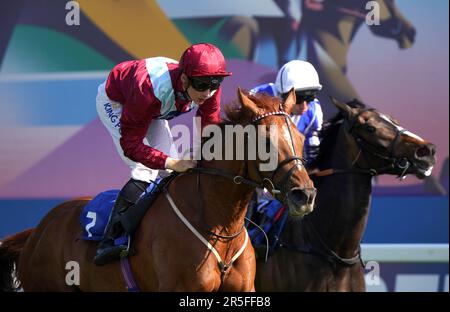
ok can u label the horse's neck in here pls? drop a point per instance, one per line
(224, 202)
(343, 200)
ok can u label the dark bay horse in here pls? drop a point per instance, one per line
(321, 252)
(169, 256)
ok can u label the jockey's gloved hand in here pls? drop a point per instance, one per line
(180, 165)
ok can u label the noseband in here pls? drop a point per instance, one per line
(299, 161)
(400, 164)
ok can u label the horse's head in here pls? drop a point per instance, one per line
(384, 146)
(394, 25)
(286, 177)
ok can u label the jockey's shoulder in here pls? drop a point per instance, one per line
(268, 88)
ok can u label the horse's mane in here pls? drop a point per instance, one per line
(265, 102)
(328, 134)
(235, 115)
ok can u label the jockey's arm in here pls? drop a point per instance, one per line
(134, 123)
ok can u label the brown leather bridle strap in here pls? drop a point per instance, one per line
(237, 179)
(328, 172)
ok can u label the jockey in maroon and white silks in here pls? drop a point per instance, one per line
(136, 102)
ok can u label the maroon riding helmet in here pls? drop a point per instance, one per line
(203, 59)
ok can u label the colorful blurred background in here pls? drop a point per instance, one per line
(53, 147)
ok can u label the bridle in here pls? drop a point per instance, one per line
(262, 183)
(393, 163)
(282, 187)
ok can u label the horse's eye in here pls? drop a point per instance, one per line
(370, 129)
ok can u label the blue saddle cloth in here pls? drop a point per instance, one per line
(271, 216)
(95, 215)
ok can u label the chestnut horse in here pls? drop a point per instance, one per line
(175, 254)
(321, 252)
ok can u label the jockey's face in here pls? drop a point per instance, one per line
(300, 108)
(199, 90)
(303, 98)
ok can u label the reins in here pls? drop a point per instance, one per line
(237, 179)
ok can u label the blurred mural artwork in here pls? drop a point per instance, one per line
(391, 55)
(50, 69)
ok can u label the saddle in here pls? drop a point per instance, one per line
(131, 218)
(95, 214)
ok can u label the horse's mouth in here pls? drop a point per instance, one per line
(422, 173)
(300, 213)
(422, 168)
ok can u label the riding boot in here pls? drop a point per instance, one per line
(128, 196)
(131, 219)
(107, 250)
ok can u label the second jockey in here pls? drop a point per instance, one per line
(307, 113)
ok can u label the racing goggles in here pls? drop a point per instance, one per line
(205, 83)
(303, 95)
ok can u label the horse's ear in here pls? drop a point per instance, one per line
(247, 104)
(290, 102)
(344, 108)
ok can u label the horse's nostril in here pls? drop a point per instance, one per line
(424, 151)
(299, 197)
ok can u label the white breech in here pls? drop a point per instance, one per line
(158, 136)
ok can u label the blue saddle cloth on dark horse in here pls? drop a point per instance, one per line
(271, 217)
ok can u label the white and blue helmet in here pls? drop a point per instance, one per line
(299, 75)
